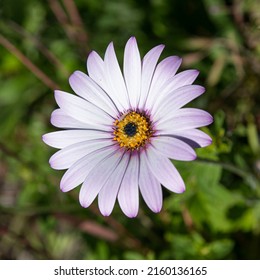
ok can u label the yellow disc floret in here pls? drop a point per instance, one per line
(132, 131)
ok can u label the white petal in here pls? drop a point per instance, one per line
(165, 172)
(66, 157)
(150, 187)
(60, 119)
(107, 195)
(77, 173)
(82, 110)
(148, 66)
(96, 69)
(181, 79)
(194, 137)
(178, 98)
(97, 178)
(115, 80)
(165, 70)
(173, 148)
(89, 90)
(132, 71)
(62, 139)
(183, 119)
(128, 196)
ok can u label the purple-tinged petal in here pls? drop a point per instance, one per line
(85, 87)
(165, 172)
(107, 195)
(96, 69)
(62, 139)
(176, 100)
(132, 71)
(128, 196)
(148, 66)
(183, 119)
(66, 157)
(173, 148)
(60, 119)
(193, 137)
(150, 187)
(115, 80)
(78, 172)
(181, 79)
(95, 180)
(82, 110)
(164, 71)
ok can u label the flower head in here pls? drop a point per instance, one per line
(122, 129)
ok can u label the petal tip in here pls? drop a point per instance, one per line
(194, 157)
(92, 58)
(179, 59)
(131, 215)
(157, 209)
(52, 119)
(131, 43)
(44, 138)
(158, 49)
(83, 198)
(56, 92)
(83, 204)
(211, 119)
(91, 53)
(132, 38)
(161, 46)
(104, 210)
(105, 214)
(180, 189)
(72, 76)
(156, 206)
(196, 72)
(183, 190)
(62, 187)
(201, 89)
(51, 163)
(110, 45)
(207, 142)
(57, 96)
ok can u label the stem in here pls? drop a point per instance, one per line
(27, 63)
(227, 166)
(71, 23)
(42, 48)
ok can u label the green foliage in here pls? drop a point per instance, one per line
(218, 217)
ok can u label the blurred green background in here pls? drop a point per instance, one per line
(218, 217)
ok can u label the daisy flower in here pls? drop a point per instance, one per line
(122, 129)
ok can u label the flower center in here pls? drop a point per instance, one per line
(132, 131)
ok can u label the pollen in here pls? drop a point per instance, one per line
(132, 131)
